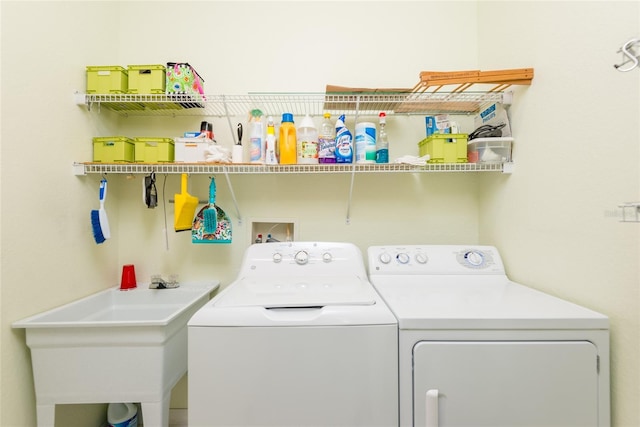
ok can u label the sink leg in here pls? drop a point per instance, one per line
(46, 415)
(156, 414)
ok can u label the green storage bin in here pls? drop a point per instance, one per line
(154, 150)
(445, 148)
(113, 149)
(147, 79)
(107, 79)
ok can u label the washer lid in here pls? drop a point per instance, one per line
(479, 302)
(298, 291)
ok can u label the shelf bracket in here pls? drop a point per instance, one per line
(233, 196)
(630, 212)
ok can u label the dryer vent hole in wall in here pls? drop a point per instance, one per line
(273, 230)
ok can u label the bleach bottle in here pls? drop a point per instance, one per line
(122, 415)
(344, 142)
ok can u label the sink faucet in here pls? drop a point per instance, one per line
(158, 282)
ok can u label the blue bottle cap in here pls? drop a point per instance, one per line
(287, 117)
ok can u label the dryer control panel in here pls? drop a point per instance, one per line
(434, 259)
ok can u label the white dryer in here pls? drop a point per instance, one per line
(300, 338)
(476, 349)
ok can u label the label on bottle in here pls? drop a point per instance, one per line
(255, 150)
(344, 149)
(382, 155)
(308, 150)
(326, 149)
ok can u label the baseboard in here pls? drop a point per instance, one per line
(178, 417)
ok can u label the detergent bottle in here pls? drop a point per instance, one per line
(287, 140)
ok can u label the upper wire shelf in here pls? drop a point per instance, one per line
(314, 104)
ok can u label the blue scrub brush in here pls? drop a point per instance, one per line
(210, 212)
(99, 220)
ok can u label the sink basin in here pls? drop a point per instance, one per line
(113, 346)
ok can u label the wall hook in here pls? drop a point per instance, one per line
(628, 51)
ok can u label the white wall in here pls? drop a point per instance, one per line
(547, 204)
(577, 150)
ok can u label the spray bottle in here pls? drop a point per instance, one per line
(256, 130)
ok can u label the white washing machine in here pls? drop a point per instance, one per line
(476, 349)
(300, 338)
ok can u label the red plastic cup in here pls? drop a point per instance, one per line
(128, 277)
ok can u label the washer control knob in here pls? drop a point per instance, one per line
(277, 257)
(301, 257)
(326, 257)
(403, 258)
(421, 258)
(385, 258)
(474, 258)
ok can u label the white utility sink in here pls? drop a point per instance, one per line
(113, 346)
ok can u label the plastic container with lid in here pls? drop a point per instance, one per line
(365, 142)
(307, 142)
(490, 150)
(287, 140)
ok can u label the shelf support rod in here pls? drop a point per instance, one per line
(233, 196)
(353, 168)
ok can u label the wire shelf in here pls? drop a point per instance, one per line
(274, 104)
(213, 168)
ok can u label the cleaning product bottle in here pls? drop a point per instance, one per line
(270, 145)
(287, 140)
(382, 143)
(122, 415)
(256, 135)
(344, 142)
(307, 139)
(365, 142)
(327, 141)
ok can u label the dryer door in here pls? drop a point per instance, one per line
(505, 383)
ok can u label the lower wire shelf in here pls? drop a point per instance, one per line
(228, 168)
(247, 169)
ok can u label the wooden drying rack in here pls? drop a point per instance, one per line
(433, 81)
(425, 96)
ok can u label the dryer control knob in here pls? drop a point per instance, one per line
(403, 258)
(385, 258)
(474, 258)
(326, 257)
(277, 257)
(301, 257)
(421, 258)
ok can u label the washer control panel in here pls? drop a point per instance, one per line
(434, 259)
(306, 258)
